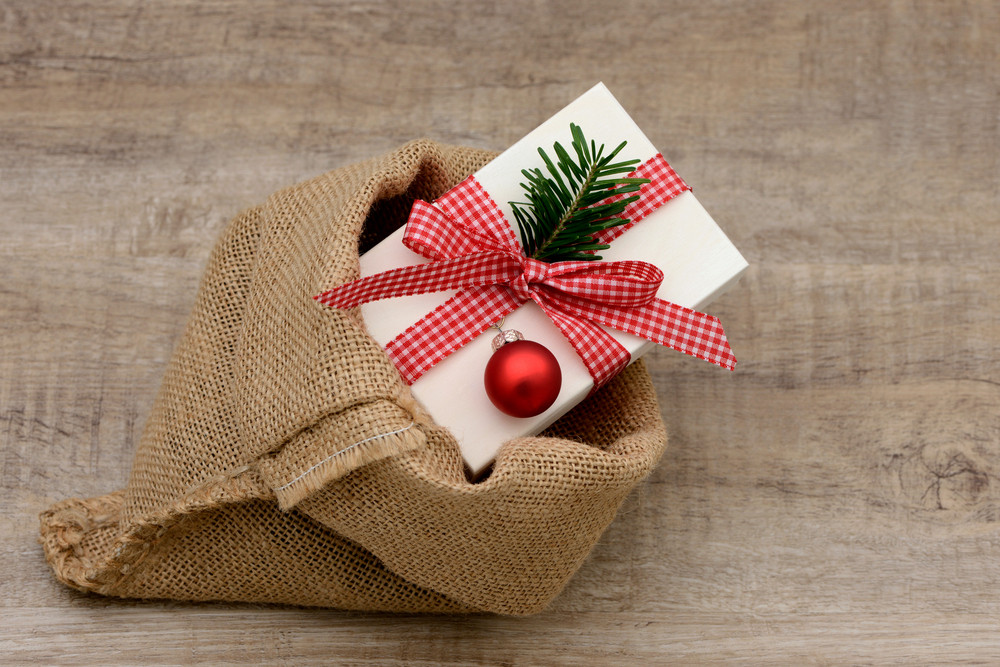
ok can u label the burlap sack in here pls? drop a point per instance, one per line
(285, 461)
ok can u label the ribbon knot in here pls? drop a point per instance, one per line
(473, 249)
(533, 272)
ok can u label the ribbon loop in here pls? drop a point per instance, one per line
(626, 284)
(432, 233)
(472, 248)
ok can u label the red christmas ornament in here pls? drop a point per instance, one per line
(522, 377)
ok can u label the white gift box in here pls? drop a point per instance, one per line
(698, 261)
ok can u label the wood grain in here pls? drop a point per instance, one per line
(836, 500)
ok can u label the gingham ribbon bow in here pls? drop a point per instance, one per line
(473, 249)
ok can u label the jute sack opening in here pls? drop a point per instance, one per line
(285, 461)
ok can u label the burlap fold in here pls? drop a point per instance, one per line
(285, 461)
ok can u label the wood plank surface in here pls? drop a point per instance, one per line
(836, 500)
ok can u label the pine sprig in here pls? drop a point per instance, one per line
(567, 207)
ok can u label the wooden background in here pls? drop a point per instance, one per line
(835, 500)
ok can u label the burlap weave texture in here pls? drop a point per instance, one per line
(249, 482)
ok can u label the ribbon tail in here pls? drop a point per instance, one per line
(603, 356)
(448, 327)
(682, 329)
(687, 331)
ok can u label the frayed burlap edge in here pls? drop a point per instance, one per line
(65, 525)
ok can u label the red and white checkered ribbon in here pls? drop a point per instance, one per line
(474, 250)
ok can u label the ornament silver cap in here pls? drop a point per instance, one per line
(506, 336)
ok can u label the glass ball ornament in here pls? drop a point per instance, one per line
(523, 377)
